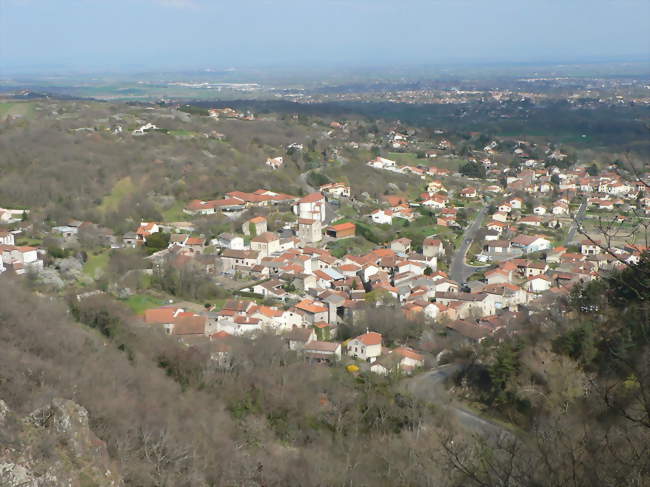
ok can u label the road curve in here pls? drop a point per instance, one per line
(430, 386)
(459, 271)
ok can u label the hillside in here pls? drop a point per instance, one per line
(268, 421)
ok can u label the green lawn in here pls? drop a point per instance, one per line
(139, 303)
(16, 109)
(96, 264)
(175, 213)
(123, 188)
(30, 242)
(354, 245)
(406, 158)
(218, 303)
(182, 133)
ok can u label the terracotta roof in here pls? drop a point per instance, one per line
(409, 353)
(269, 311)
(319, 346)
(265, 237)
(159, 316)
(370, 338)
(311, 306)
(342, 226)
(189, 324)
(311, 198)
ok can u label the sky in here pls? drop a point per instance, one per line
(66, 35)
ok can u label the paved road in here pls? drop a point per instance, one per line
(574, 226)
(431, 386)
(458, 270)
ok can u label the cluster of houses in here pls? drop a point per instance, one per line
(230, 113)
(238, 201)
(420, 171)
(307, 327)
(18, 258)
(314, 292)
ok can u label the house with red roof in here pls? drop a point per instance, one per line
(255, 226)
(146, 229)
(380, 216)
(342, 230)
(365, 347)
(201, 207)
(311, 207)
(176, 321)
(313, 311)
(469, 192)
(336, 190)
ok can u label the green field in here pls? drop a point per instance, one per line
(123, 188)
(96, 264)
(16, 109)
(139, 303)
(406, 158)
(175, 213)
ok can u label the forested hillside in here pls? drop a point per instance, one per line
(170, 419)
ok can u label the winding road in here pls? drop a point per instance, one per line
(431, 387)
(459, 271)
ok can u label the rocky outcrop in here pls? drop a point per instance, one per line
(53, 446)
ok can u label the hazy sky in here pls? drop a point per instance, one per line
(134, 34)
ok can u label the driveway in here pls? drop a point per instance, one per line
(458, 270)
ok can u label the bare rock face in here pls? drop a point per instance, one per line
(53, 446)
(392, 187)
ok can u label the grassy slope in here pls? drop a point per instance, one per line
(121, 190)
(139, 303)
(96, 264)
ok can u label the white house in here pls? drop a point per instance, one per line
(20, 258)
(144, 129)
(266, 244)
(538, 284)
(336, 190)
(365, 347)
(587, 247)
(531, 243)
(560, 208)
(311, 207)
(228, 241)
(382, 216)
(6, 238)
(381, 163)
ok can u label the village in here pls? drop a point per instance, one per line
(468, 252)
